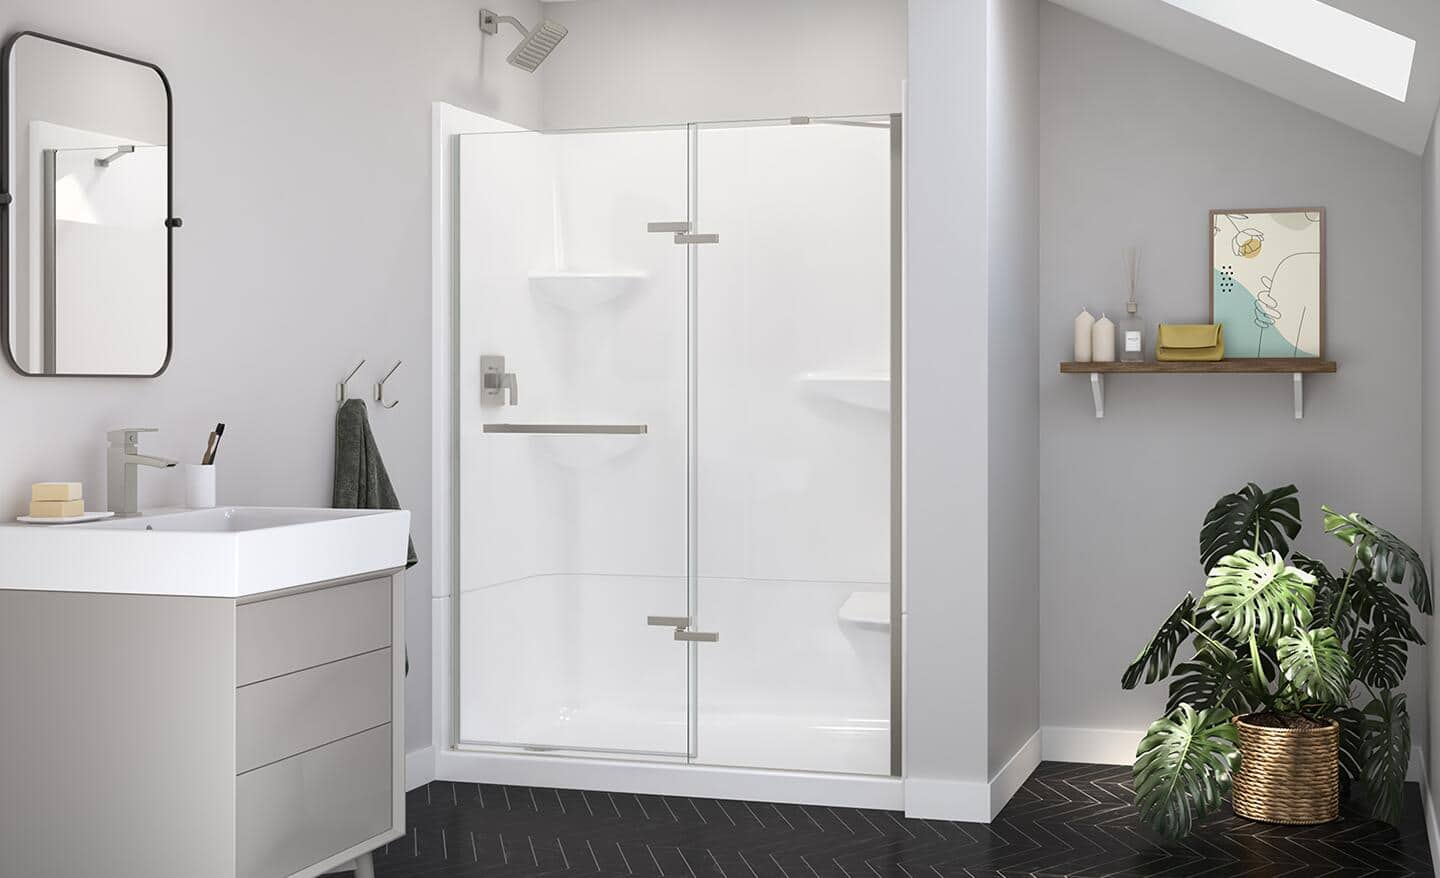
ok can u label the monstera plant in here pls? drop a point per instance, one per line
(1281, 636)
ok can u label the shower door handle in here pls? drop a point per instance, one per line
(669, 228)
(668, 621)
(697, 636)
(697, 239)
(684, 233)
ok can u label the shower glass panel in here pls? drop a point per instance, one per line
(573, 453)
(692, 420)
(793, 458)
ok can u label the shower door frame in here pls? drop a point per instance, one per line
(872, 790)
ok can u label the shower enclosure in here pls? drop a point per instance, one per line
(677, 444)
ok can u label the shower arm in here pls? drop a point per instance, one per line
(490, 23)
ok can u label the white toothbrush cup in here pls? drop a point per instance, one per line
(200, 485)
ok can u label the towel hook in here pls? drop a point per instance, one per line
(340, 393)
(380, 388)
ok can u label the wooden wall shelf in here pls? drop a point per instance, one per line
(1296, 368)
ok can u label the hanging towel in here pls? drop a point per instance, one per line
(360, 478)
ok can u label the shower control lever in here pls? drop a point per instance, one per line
(495, 381)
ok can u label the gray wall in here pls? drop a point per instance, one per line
(631, 62)
(1137, 145)
(1013, 202)
(1430, 419)
(945, 404)
(302, 169)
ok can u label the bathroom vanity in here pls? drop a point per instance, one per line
(202, 693)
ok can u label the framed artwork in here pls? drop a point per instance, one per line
(1267, 281)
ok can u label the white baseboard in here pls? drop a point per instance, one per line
(1008, 779)
(969, 801)
(1101, 746)
(941, 799)
(419, 767)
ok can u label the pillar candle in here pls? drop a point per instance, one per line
(1102, 340)
(1084, 326)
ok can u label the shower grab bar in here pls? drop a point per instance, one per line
(571, 429)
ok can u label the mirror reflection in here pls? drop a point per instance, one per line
(88, 290)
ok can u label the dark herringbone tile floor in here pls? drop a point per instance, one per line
(1067, 820)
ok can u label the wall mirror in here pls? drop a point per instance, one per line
(86, 211)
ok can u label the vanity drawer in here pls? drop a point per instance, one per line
(286, 715)
(295, 813)
(282, 635)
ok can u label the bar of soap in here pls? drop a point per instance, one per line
(56, 508)
(56, 491)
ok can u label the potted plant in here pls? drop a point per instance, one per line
(1292, 685)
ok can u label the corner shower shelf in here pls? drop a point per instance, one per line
(866, 609)
(579, 290)
(1297, 369)
(866, 390)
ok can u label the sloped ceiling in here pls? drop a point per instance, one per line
(1406, 125)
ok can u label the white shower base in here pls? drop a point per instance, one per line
(565, 664)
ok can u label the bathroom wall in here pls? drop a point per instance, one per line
(302, 146)
(1137, 146)
(1012, 203)
(946, 410)
(631, 62)
(1429, 538)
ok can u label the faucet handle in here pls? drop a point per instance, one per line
(128, 435)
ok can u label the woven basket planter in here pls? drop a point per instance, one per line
(1287, 774)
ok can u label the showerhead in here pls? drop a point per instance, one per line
(537, 44)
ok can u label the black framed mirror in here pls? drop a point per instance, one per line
(86, 211)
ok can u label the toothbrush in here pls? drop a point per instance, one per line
(213, 447)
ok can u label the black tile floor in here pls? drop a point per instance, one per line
(1067, 819)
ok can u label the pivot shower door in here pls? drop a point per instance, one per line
(573, 418)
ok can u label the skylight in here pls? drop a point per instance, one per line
(1344, 44)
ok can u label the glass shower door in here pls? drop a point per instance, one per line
(793, 467)
(573, 419)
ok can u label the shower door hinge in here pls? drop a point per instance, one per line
(681, 624)
(684, 233)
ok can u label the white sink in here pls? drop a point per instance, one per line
(231, 551)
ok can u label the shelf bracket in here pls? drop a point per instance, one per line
(1299, 381)
(1097, 390)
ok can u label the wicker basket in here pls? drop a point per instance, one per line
(1289, 770)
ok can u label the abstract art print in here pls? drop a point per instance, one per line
(1267, 287)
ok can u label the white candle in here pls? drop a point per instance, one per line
(1102, 340)
(1084, 326)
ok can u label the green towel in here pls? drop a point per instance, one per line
(360, 478)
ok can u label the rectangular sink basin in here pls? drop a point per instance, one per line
(231, 551)
(232, 519)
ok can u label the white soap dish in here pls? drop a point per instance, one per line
(71, 519)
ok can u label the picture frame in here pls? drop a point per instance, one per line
(1267, 281)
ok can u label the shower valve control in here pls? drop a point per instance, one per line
(495, 382)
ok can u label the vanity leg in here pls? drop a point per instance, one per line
(364, 866)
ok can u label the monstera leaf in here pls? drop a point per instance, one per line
(1388, 558)
(1352, 742)
(1315, 665)
(1328, 591)
(1155, 659)
(1251, 518)
(1380, 657)
(1381, 607)
(1183, 768)
(1215, 679)
(1385, 755)
(1252, 595)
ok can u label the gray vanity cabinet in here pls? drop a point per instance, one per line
(175, 737)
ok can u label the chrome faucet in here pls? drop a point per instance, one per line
(122, 495)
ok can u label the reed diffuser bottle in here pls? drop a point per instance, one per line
(1132, 328)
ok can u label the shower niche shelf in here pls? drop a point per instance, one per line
(582, 290)
(866, 390)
